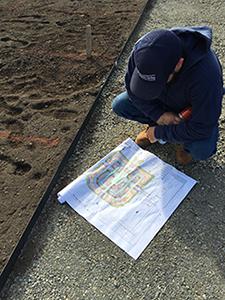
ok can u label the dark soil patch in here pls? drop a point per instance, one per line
(47, 87)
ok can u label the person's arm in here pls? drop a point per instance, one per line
(206, 108)
(130, 70)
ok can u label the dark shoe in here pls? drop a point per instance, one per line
(142, 140)
(183, 157)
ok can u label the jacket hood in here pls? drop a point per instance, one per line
(196, 42)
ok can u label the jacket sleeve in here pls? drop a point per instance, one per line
(205, 98)
(153, 108)
(130, 70)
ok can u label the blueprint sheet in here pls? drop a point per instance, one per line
(128, 195)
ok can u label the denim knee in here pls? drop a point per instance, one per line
(116, 106)
(123, 107)
(120, 104)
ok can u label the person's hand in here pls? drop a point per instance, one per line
(151, 134)
(168, 118)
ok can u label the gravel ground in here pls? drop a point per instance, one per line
(67, 258)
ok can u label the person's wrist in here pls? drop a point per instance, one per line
(159, 118)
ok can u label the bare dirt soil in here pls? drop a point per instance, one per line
(47, 86)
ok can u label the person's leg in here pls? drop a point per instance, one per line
(203, 149)
(124, 107)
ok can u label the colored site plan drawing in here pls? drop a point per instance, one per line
(116, 180)
(128, 195)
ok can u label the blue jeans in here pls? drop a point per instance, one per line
(199, 150)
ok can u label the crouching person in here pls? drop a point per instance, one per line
(170, 71)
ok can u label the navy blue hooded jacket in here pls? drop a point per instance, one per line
(198, 84)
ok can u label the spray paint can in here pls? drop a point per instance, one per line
(185, 114)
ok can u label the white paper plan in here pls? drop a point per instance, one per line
(128, 195)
